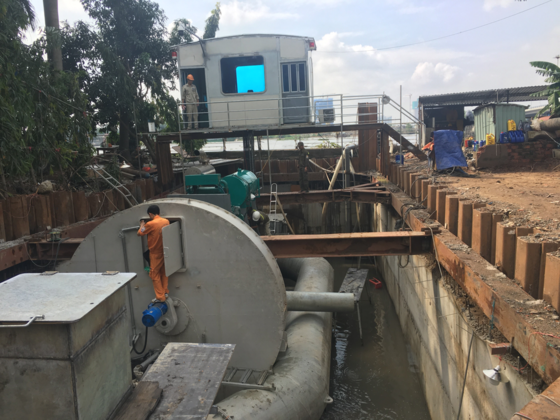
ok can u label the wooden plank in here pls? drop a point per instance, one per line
(20, 214)
(62, 208)
(8, 229)
(141, 403)
(43, 216)
(80, 206)
(354, 282)
(190, 375)
(31, 200)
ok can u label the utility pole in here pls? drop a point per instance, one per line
(52, 26)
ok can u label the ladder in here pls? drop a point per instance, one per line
(273, 197)
(115, 184)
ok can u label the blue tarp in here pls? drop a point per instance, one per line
(448, 149)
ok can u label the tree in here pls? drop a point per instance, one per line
(43, 127)
(128, 64)
(52, 29)
(552, 73)
(212, 23)
(181, 32)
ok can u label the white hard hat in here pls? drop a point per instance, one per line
(256, 216)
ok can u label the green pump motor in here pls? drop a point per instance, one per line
(242, 186)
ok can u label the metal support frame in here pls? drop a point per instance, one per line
(355, 195)
(349, 244)
(128, 288)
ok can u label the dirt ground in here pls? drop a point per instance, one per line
(528, 195)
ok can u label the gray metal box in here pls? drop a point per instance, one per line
(75, 362)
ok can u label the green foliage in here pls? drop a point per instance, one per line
(124, 64)
(552, 73)
(176, 37)
(212, 23)
(326, 144)
(43, 126)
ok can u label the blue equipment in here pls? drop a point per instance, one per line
(155, 311)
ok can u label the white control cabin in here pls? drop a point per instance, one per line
(250, 80)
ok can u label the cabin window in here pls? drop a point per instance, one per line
(285, 78)
(243, 74)
(294, 78)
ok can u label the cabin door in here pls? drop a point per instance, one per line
(295, 93)
(200, 83)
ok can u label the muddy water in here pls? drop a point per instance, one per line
(378, 380)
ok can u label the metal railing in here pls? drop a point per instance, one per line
(272, 112)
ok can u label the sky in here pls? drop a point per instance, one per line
(353, 36)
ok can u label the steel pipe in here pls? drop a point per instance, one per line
(320, 302)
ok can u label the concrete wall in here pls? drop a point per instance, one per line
(439, 337)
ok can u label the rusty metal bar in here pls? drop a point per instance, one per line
(47, 250)
(19, 252)
(349, 244)
(356, 195)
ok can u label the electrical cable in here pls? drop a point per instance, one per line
(145, 343)
(465, 377)
(438, 38)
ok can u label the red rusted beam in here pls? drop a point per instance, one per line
(365, 195)
(502, 348)
(472, 273)
(13, 255)
(18, 252)
(545, 406)
(349, 244)
(45, 250)
(294, 177)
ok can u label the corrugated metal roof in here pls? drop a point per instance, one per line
(479, 97)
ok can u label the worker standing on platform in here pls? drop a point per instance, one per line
(189, 95)
(155, 246)
(303, 167)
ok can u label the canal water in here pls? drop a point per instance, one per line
(378, 380)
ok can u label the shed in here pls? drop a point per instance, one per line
(250, 80)
(493, 118)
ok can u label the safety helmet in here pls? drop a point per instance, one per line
(256, 216)
(190, 77)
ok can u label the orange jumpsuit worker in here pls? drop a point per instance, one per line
(155, 245)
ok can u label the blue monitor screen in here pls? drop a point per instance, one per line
(250, 78)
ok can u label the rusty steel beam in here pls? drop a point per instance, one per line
(355, 195)
(17, 251)
(294, 177)
(47, 250)
(13, 255)
(545, 406)
(473, 274)
(349, 244)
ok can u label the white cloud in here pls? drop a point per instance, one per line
(490, 4)
(69, 7)
(427, 73)
(240, 12)
(407, 7)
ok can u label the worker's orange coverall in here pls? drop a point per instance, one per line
(155, 245)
